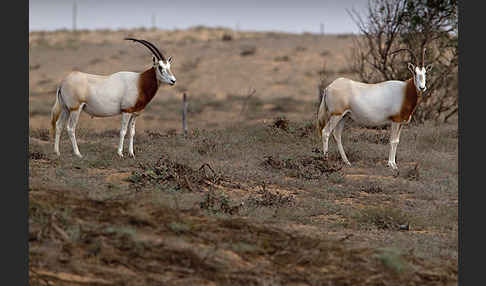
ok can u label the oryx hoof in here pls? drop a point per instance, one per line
(132, 155)
(393, 165)
(120, 154)
(79, 155)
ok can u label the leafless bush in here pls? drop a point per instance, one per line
(226, 37)
(247, 50)
(393, 24)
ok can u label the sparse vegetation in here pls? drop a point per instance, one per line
(248, 50)
(246, 197)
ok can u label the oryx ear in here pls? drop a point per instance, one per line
(169, 60)
(428, 68)
(411, 67)
(154, 60)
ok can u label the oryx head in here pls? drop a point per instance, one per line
(418, 71)
(160, 63)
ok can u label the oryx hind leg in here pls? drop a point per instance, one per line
(327, 130)
(60, 124)
(71, 128)
(337, 136)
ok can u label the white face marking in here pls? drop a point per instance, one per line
(164, 73)
(420, 78)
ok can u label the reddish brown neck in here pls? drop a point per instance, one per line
(148, 84)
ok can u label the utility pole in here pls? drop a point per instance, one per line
(153, 20)
(75, 14)
(322, 28)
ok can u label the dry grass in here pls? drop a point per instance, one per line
(246, 197)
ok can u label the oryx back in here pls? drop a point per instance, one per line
(369, 104)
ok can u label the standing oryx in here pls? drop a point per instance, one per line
(126, 93)
(390, 101)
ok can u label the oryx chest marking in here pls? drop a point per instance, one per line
(409, 103)
(147, 88)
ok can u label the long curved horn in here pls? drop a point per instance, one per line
(410, 51)
(156, 49)
(150, 46)
(423, 57)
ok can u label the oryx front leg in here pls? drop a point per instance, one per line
(131, 125)
(71, 129)
(394, 139)
(123, 131)
(337, 136)
(327, 130)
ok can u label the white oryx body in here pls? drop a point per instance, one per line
(103, 96)
(126, 93)
(376, 104)
(371, 104)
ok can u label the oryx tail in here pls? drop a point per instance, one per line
(322, 115)
(56, 111)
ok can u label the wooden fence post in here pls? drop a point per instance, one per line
(184, 113)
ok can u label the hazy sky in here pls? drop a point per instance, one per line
(259, 15)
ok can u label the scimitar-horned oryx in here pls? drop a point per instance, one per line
(376, 104)
(125, 93)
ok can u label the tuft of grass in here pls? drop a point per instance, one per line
(121, 231)
(265, 198)
(41, 133)
(179, 227)
(282, 59)
(383, 217)
(219, 203)
(336, 178)
(247, 50)
(392, 259)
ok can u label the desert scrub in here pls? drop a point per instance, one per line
(392, 259)
(382, 217)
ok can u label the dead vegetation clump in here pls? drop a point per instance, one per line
(383, 217)
(41, 133)
(300, 130)
(281, 123)
(413, 174)
(305, 167)
(173, 175)
(206, 146)
(247, 50)
(36, 155)
(266, 198)
(226, 37)
(219, 202)
(372, 188)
